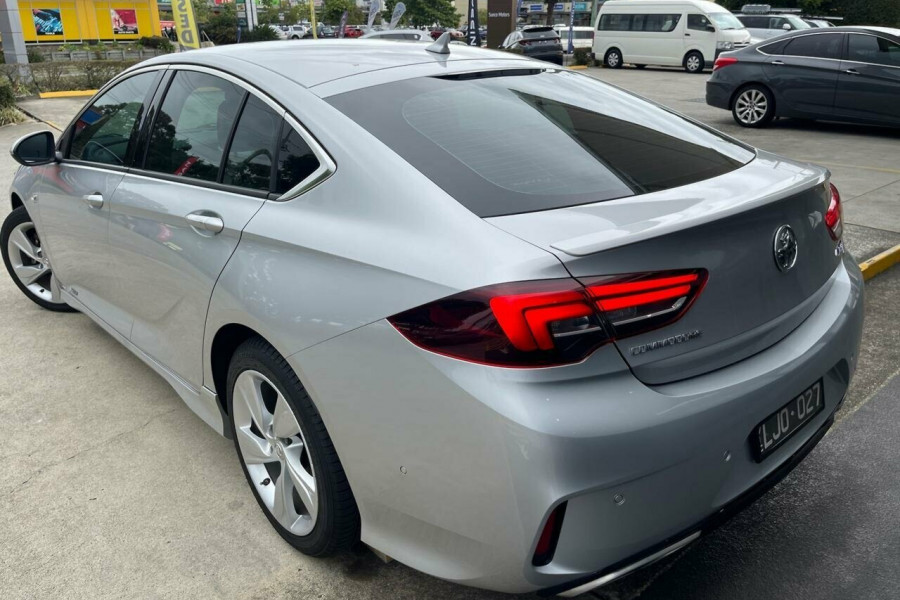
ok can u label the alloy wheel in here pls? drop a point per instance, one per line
(612, 59)
(751, 106)
(274, 449)
(30, 265)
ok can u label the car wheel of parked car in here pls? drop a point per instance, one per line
(694, 62)
(287, 454)
(24, 259)
(613, 59)
(753, 106)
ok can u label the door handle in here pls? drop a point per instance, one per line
(94, 200)
(851, 72)
(206, 222)
(777, 62)
(687, 35)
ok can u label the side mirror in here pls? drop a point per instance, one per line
(787, 27)
(35, 149)
(710, 28)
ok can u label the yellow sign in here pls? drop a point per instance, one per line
(185, 24)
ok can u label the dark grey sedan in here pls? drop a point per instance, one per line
(542, 43)
(839, 74)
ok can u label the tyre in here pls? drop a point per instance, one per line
(286, 453)
(25, 261)
(753, 106)
(694, 62)
(613, 59)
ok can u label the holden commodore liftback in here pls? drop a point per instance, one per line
(518, 366)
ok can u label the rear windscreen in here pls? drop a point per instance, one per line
(516, 143)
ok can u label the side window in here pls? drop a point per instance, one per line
(775, 48)
(872, 49)
(296, 160)
(820, 45)
(104, 132)
(252, 150)
(698, 22)
(193, 125)
(661, 23)
(615, 22)
(777, 22)
(637, 22)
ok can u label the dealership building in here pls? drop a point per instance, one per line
(78, 20)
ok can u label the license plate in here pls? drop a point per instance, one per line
(786, 421)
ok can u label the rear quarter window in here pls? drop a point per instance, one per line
(539, 140)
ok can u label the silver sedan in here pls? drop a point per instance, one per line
(502, 322)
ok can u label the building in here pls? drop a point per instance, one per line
(536, 12)
(80, 20)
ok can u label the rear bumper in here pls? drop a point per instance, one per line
(488, 453)
(718, 94)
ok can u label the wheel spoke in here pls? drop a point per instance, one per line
(284, 424)
(304, 482)
(28, 274)
(21, 241)
(283, 508)
(247, 389)
(254, 449)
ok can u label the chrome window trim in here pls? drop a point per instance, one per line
(327, 165)
(824, 32)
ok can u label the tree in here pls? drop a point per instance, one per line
(335, 8)
(421, 13)
(551, 5)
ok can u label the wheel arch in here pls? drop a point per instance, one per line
(224, 343)
(747, 84)
(16, 201)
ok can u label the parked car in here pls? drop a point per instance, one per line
(353, 31)
(821, 23)
(685, 33)
(279, 31)
(839, 73)
(515, 365)
(766, 26)
(294, 32)
(413, 35)
(582, 37)
(542, 43)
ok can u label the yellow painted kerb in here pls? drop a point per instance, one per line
(69, 94)
(880, 263)
(578, 67)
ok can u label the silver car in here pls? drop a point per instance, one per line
(502, 322)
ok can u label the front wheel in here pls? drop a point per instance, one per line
(613, 59)
(694, 62)
(26, 263)
(753, 106)
(286, 453)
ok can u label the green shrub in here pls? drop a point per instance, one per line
(263, 33)
(7, 96)
(9, 115)
(35, 56)
(582, 56)
(156, 43)
(49, 76)
(93, 74)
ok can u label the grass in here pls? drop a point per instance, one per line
(10, 115)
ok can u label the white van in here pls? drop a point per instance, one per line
(583, 36)
(686, 33)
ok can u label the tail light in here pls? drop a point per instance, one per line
(833, 216)
(723, 61)
(549, 322)
(546, 546)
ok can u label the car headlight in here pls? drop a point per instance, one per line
(724, 45)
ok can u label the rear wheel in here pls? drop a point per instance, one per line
(287, 454)
(613, 59)
(694, 62)
(26, 263)
(753, 106)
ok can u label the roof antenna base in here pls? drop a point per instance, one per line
(441, 45)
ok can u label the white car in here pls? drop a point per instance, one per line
(686, 33)
(765, 26)
(293, 32)
(583, 37)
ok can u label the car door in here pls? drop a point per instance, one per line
(869, 82)
(175, 221)
(700, 34)
(74, 196)
(804, 77)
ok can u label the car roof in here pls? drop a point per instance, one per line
(315, 62)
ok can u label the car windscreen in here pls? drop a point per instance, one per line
(508, 142)
(725, 20)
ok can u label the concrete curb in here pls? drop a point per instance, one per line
(578, 67)
(69, 94)
(880, 263)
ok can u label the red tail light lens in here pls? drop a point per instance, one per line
(723, 61)
(550, 322)
(833, 216)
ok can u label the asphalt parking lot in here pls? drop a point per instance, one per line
(111, 488)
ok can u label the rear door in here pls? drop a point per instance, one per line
(805, 75)
(75, 193)
(869, 82)
(174, 223)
